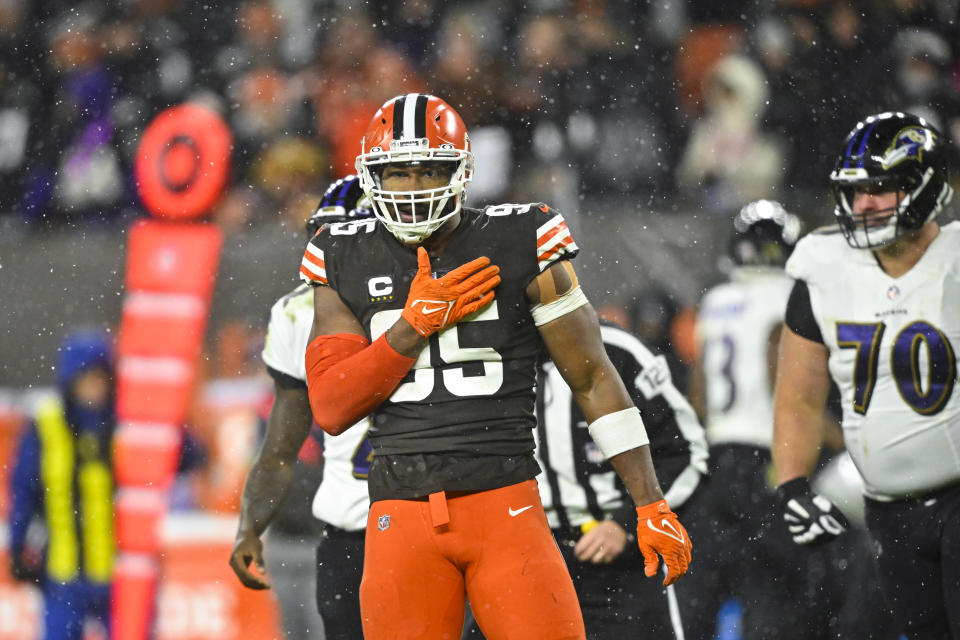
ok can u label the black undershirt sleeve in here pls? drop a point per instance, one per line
(799, 317)
(285, 381)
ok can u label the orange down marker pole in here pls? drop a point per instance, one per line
(182, 167)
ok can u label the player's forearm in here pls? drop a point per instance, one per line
(800, 395)
(404, 339)
(348, 378)
(604, 396)
(607, 396)
(635, 468)
(272, 472)
(796, 440)
(601, 393)
(264, 491)
(697, 392)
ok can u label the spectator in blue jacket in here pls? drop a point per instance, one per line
(62, 487)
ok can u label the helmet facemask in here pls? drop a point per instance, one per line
(428, 208)
(915, 206)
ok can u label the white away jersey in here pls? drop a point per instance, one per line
(733, 329)
(288, 332)
(341, 500)
(892, 345)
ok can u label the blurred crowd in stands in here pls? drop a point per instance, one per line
(702, 103)
(655, 105)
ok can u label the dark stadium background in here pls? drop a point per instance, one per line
(648, 124)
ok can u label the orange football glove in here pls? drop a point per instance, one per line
(659, 532)
(436, 303)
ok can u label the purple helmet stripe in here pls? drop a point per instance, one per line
(846, 152)
(344, 191)
(863, 141)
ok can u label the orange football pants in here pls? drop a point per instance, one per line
(422, 558)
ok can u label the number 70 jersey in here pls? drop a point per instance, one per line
(892, 344)
(471, 390)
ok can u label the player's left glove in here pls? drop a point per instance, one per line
(659, 532)
(434, 304)
(811, 518)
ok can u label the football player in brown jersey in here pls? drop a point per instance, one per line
(430, 318)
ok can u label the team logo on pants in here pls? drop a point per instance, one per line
(383, 523)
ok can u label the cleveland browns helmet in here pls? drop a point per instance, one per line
(764, 235)
(414, 128)
(341, 202)
(890, 152)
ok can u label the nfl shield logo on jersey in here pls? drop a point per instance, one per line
(383, 522)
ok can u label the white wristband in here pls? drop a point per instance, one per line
(618, 432)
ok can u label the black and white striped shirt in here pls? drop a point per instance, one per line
(574, 469)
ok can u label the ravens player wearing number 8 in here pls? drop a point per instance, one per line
(781, 593)
(430, 319)
(731, 386)
(340, 503)
(876, 305)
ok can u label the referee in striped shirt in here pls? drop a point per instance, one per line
(592, 516)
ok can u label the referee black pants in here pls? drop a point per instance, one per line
(617, 600)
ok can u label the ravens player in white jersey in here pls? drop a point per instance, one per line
(738, 328)
(432, 318)
(341, 501)
(876, 306)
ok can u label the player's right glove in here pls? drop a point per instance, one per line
(811, 518)
(436, 303)
(659, 532)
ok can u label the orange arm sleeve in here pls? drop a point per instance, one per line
(348, 377)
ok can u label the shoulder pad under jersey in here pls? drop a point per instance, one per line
(817, 255)
(313, 268)
(554, 240)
